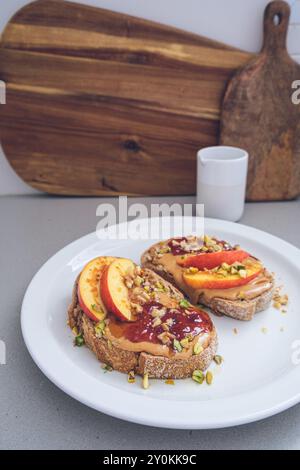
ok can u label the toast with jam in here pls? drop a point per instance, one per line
(225, 278)
(137, 322)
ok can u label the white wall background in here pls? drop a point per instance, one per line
(235, 22)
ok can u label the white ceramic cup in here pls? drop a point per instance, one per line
(221, 181)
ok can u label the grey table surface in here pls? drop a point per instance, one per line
(34, 413)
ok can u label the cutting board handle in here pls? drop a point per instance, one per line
(276, 22)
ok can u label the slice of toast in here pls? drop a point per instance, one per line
(109, 351)
(238, 308)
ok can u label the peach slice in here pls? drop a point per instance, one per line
(114, 291)
(211, 280)
(89, 295)
(212, 260)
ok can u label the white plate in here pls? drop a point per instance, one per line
(256, 380)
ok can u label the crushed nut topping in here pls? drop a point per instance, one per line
(209, 377)
(170, 382)
(185, 342)
(218, 359)
(99, 329)
(197, 349)
(156, 322)
(164, 338)
(279, 300)
(198, 376)
(177, 345)
(131, 377)
(145, 382)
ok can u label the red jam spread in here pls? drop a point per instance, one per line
(192, 323)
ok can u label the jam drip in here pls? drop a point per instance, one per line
(183, 322)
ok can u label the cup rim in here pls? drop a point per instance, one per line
(238, 158)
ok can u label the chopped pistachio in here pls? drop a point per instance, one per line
(129, 283)
(157, 312)
(107, 368)
(197, 349)
(184, 303)
(218, 359)
(99, 328)
(79, 340)
(159, 285)
(145, 381)
(222, 272)
(169, 321)
(138, 281)
(177, 345)
(131, 377)
(217, 248)
(97, 308)
(207, 239)
(198, 376)
(138, 270)
(169, 382)
(209, 377)
(239, 266)
(184, 342)
(225, 266)
(156, 322)
(164, 338)
(192, 270)
(243, 273)
(75, 331)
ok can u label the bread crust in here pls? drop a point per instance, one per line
(238, 309)
(141, 363)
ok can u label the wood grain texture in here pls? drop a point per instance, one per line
(259, 115)
(103, 103)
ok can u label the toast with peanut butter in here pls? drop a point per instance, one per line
(211, 272)
(138, 323)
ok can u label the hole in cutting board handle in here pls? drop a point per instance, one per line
(277, 19)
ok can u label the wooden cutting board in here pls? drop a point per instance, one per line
(259, 115)
(102, 103)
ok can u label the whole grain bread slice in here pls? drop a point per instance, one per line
(238, 309)
(141, 363)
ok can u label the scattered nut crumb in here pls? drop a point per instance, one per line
(279, 300)
(218, 359)
(145, 382)
(235, 331)
(131, 377)
(264, 330)
(169, 382)
(209, 377)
